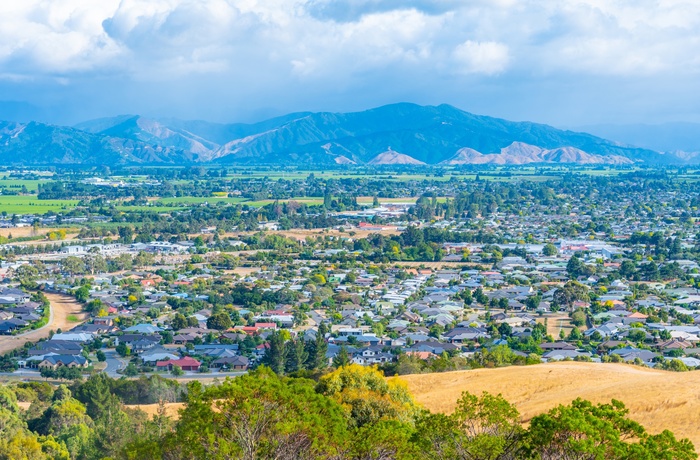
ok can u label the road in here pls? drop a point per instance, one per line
(61, 307)
(114, 363)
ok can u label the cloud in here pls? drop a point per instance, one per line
(282, 51)
(481, 57)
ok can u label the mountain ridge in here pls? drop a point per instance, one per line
(423, 134)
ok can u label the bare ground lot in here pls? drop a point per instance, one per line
(557, 323)
(62, 306)
(658, 400)
(21, 232)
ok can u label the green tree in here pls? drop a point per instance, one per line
(342, 358)
(276, 353)
(317, 350)
(549, 250)
(219, 321)
(603, 431)
(131, 370)
(177, 371)
(257, 416)
(486, 427)
(296, 356)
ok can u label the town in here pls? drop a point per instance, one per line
(417, 274)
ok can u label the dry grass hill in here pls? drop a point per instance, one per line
(657, 399)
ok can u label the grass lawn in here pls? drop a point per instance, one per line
(17, 184)
(30, 204)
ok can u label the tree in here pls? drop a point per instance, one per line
(480, 296)
(549, 250)
(100, 355)
(178, 322)
(570, 293)
(486, 427)
(296, 356)
(82, 294)
(317, 350)
(73, 265)
(177, 371)
(587, 431)
(131, 370)
(96, 394)
(369, 396)
(342, 358)
(578, 317)
(275, 355)
(219, 321)
(258, 416)
(123, 350)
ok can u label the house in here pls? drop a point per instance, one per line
(13, 296)
(56, 361)
(186, 364)
(557, 346)
(239, 363)
(143, 329)
(157, 354)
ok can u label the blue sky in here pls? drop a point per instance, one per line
(562, 62)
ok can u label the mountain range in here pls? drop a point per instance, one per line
(394, 134)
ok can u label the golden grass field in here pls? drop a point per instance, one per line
(658, 400)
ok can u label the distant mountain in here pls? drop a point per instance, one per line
(521, 153)
(394, 158)
(422, 135)
(38, 143)
(428, 134)
(680, 139)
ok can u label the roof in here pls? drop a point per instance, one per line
(182, 362)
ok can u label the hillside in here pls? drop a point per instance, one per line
(422, 134)
(658, 400)
(38, 143)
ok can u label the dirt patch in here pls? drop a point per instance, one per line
(171, 409)
(62, 306)
(555, 324)
(658, 400)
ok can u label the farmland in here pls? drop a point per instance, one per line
(30, 204)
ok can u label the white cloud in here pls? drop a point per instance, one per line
(275, 46)
(481, 57)
(55, 37)
(485, 37)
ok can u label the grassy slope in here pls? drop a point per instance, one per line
(658, 400)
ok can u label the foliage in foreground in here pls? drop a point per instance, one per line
(351, 413)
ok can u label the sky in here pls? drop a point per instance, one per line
(561, 62)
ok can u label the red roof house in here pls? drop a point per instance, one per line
(186, 364)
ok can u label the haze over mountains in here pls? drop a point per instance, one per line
(393, 134)
(680, 139)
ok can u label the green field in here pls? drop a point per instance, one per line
(17, 184)
(30, 204)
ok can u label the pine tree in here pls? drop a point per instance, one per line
(296, 356)
(275, 355)
(342, 358)
(317, 349)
